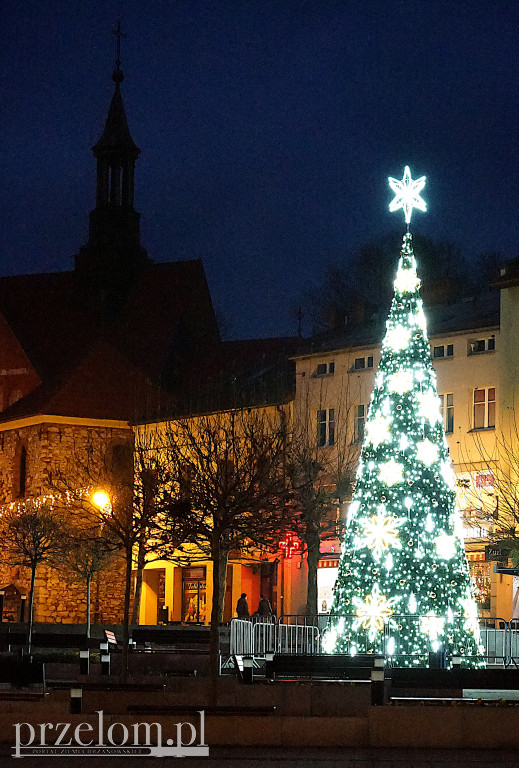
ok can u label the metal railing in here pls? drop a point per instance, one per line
(306, 635)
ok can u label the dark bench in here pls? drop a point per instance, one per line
(143, 709)
(171, 637)
(22, 673)
(340, 667)
(63, 685)
(419, 680)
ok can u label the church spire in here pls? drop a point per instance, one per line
(113, 255)
(116, 151)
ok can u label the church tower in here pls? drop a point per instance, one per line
(113, 257)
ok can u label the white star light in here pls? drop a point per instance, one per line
(406, 281)
(407, 194)
(429, 406)
(401, 381)
(448, 474)
(427, 452)
(378, 430)
(432, 625)
(397, 338)
(391, 472)
(446, 546)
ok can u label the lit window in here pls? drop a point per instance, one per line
(447, 410)
(325, 427)
(359, 423)
(484, 408)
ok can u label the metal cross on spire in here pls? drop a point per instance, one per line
(407, 194)
(117, 32)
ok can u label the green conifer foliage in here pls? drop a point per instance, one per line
(403, 587)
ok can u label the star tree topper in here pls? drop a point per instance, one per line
(407, 194)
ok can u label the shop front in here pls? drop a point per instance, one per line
(194, 595)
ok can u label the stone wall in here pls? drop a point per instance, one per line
(53, 451)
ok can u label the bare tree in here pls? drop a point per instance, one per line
(113, 489)
(31, 535)
(229, 493)
(86, 554)
(321, 478)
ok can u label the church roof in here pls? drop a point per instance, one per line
(59, 337)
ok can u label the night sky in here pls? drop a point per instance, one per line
(267, 130)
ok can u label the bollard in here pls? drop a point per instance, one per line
(76, 701)
(103, 647)
(379, 662)
(377, 687)
(2, 593)
(248, 669)
(105, 664)
(437, 659)
(269, 666)
(84, 662)
(22, 608)
(456, 662)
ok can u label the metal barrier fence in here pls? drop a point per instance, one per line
(304, 635)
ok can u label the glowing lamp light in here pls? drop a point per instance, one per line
(407, 194)
(102, 501)
(289, 545)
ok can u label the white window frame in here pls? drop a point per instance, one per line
(325, 427)
(486, 406)
(447, 411)
(359, 422)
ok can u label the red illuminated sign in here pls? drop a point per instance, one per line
(289, 545)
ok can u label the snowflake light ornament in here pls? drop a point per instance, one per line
(380, 533)
(407, 194)
(406, 281)
(427, 452)
(378, 430)
(391, 472)
(374, 611)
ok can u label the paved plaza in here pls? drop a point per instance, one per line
(240, 757)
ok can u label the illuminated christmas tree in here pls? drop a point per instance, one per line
(403, 587)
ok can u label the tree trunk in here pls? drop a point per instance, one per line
(31, 604)
(219, 580)
(126, 615)
(313, 543)
(88, 584)
(141, 559)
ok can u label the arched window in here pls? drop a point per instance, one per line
(20, 472)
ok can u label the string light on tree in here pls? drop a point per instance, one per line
(403, 566)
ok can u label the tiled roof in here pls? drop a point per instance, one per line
(472, 313)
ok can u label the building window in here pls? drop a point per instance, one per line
(447, 410)
(325, 369)
(478, 346)
(361, 363)
(443, 350)
(325, 427)
(359, 423)
(20, 472)
(484, 408)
